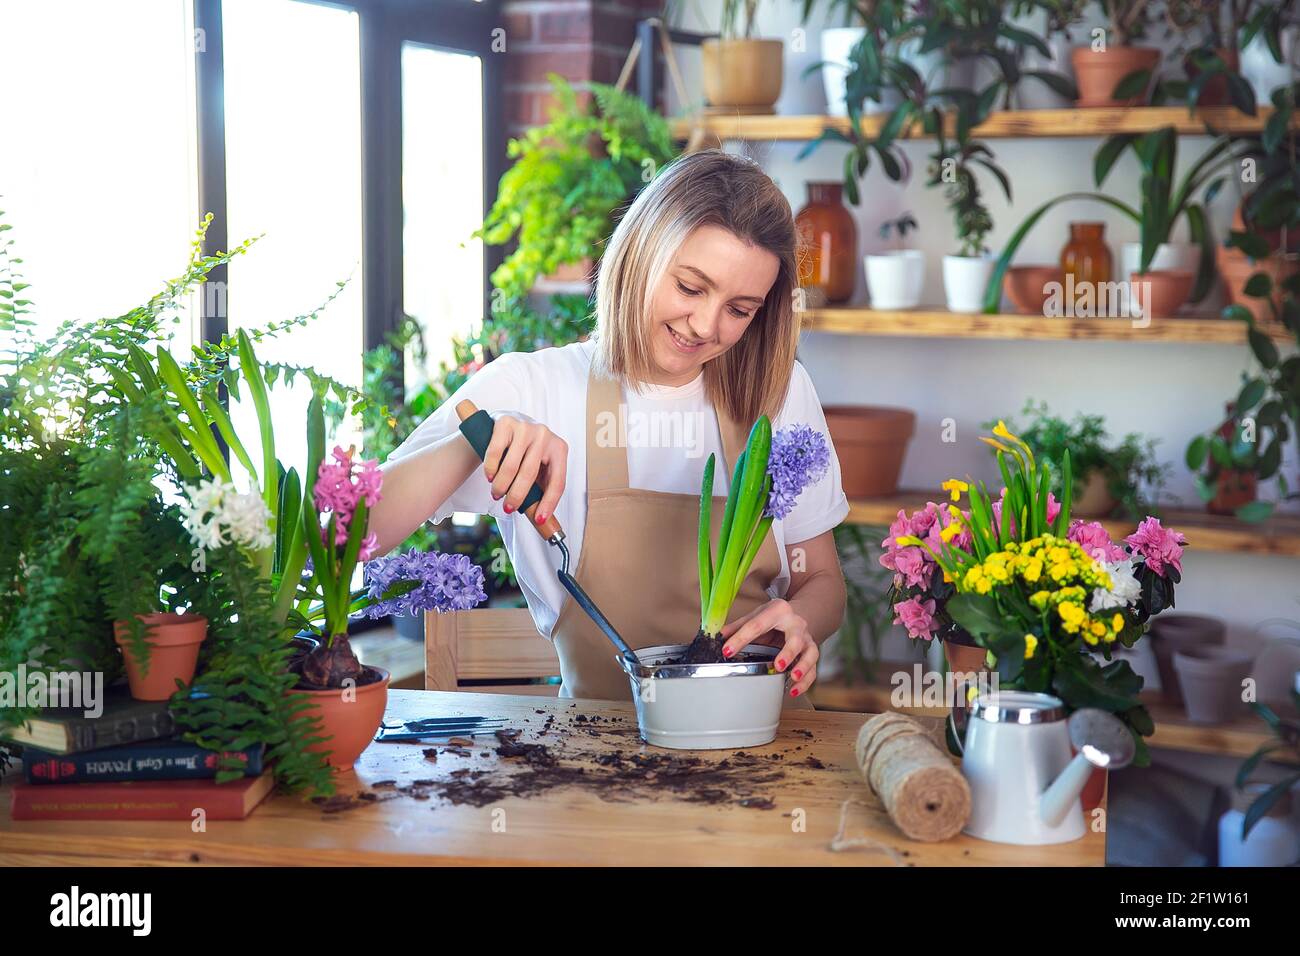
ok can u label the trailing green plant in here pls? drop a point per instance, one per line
(869, 608)
(1133, 474)
(1286, 731)
(1162, 203)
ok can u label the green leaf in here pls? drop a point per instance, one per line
(1264, 348)
(1254, 511)
(1196, 452)
(704, 543)
(1250, 394)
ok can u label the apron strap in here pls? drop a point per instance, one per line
(607, 436)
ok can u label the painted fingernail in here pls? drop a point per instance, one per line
(780, 664)
(798, 674)
(727, 652)
(509, 509)
(541, 518)
(795, 692)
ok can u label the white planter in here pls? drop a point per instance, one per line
(1170, 256)
(1262, 72)
(1034, 94)
(837, 43)
(706, 706)
(965, 278)
(895, 279)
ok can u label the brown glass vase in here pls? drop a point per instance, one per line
(828, 241)
(1086, 258)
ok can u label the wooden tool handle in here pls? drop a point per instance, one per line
(476, 425)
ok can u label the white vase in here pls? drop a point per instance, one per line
(895, 279)
(1170, 256)
(965, 279)
(836, 44)
(1262, 72)
(1034, 94)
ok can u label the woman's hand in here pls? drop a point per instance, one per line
(523, 452)
(798, 653)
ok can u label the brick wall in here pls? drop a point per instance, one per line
(581, 40)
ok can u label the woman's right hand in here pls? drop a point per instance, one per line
(520, 453)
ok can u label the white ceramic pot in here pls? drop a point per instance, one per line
(1170, 257)
(837, 43)
(1262, 72)
(706, 706)
(895, 279)
(965, 279)
(1034, 94)
(1273, 841)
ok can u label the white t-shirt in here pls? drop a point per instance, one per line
(550, 386)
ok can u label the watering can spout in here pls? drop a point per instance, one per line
(1061, 793)
(1100, 740)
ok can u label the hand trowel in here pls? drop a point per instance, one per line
(476, 425)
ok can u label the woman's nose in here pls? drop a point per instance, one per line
(702, 323)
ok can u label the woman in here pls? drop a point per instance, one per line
(695, 338)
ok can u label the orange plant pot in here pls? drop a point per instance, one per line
(1098, 73)
(174, 641)
(744, 75)
(1026, 287)
(1167, 290)
(348, 718)
(870, 444)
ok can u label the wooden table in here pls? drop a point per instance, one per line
(567, 825)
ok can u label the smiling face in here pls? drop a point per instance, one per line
(706, 300)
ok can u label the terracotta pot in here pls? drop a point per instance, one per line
(1169, 291)
(742, 74)
(1095, 500)
(1232, 489)
(174, 641)
(964, 658)
(828, 240)
(1026, 287)
(348, 719)
(1173, 632)
(870, 443)
(1215, 92)
(1211, 678)
(1098, 73)
(1237, 269)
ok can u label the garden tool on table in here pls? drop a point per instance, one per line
(476, 425)
(430, 728)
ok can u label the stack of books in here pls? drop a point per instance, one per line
(126, 764)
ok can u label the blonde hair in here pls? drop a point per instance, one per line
(705, 188)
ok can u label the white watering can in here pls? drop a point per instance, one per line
(1023, 778)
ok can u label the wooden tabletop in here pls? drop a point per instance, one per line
(399, 807)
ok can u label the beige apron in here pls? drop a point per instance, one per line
(638, 561)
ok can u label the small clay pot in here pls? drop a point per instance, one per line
(1167, 289)
(1215, 92)
(742, 75)
(1026, 287)
(1171, 633)
(1097, 73)
(348, 717)
(1211, 679)
(870, 443)
(1095, 500)
(1237, 269)
(174, 641)
(1233, 488)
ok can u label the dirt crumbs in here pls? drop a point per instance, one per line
(621, 770)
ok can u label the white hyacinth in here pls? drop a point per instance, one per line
(1124, 591)
(218, 514)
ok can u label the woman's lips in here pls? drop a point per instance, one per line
(683, 345)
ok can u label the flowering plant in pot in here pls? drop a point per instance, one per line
(1045, 596)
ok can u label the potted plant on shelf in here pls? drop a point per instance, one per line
(1108, 476)
(896, 277)
(1268, 48)
(1209, 56)
(860, 60)
(741, 74)
(1111, 70)
(1059, 17)
(966, 275)
(1173, 274)
(1045, 596)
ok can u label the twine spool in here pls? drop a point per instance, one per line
(922, 791)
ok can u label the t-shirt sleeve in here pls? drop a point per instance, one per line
(823, 505)
(499, 387)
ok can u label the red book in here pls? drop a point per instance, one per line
(141, 799)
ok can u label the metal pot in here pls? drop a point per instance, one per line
(706, 706)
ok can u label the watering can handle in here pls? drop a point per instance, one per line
(476, 425)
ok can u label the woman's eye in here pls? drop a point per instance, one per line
(687, 290)
(740, 313)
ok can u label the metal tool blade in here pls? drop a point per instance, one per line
(593, 612)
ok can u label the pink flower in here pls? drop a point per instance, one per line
(917, 616)
(925, 519)
(914, 565)
(341, 484)
(1095, 540)
(1158, 546)
(1053, 509)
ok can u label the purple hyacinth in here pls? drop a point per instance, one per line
(444, 582)
(799, 458)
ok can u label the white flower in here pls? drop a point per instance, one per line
(1124, 590)
(218, 514)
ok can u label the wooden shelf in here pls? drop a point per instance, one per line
(1005, 124)
(1279, 535)
(939, 323)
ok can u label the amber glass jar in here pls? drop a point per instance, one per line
(828, 245)
(1086, 256)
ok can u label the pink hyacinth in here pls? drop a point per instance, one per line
(340, 485)
(1158, 546)
(1095, 540)
(917, 616)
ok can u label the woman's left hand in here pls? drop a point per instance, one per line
(798, 653)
